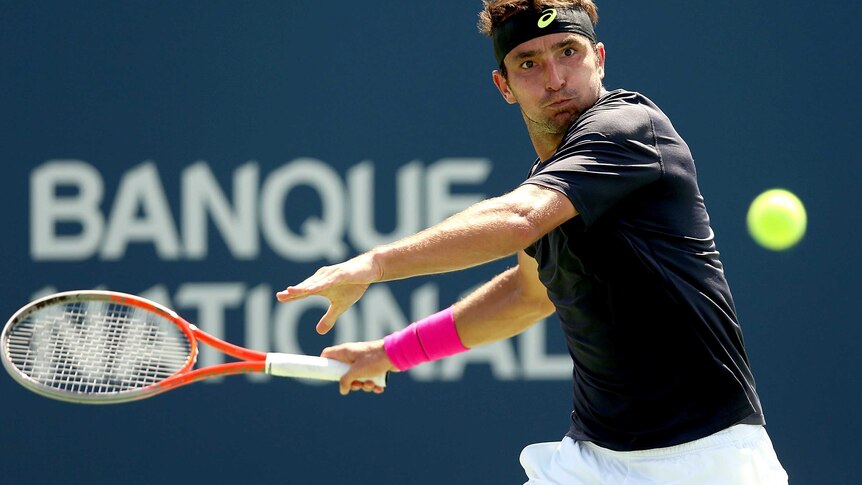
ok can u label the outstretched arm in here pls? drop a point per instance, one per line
(489, 230)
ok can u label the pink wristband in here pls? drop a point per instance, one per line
(434, 337)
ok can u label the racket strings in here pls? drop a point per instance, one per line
(97, 347)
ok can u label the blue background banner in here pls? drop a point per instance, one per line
(207, 154)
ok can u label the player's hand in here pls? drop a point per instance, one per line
(342, 284)
(366, 359)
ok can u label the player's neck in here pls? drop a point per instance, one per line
(545, 144)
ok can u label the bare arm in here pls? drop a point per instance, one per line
(489, 230)
(503, 307)
(484, 232)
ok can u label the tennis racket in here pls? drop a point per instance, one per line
(101, 347)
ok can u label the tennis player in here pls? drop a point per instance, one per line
(611, 234)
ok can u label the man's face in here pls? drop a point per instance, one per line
(554, 79)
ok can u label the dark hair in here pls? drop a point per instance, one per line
(494, 12)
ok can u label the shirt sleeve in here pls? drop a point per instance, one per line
(606, 156)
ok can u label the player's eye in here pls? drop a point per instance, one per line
(527, 64)
(569, 52)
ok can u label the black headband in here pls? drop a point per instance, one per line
(529, 24)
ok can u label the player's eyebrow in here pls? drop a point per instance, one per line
(570, 41)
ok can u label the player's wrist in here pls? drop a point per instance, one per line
(375, 263)
(432, 338)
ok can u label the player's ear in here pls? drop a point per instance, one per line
(503, 86)
(600, 59)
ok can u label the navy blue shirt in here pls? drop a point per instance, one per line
(638, 285)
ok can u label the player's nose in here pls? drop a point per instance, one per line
(554, 77)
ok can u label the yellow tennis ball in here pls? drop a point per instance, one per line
(777, 219)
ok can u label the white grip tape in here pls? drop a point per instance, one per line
(310, 367)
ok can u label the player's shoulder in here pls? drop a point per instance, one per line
(614, 104)
(617, 113)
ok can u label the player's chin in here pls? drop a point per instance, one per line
(558, 122)
(563, 119)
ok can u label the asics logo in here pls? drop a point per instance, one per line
(547, 17)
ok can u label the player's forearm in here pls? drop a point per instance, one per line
(500, 309)
(487, 231)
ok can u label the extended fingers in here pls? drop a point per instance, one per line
(296, 292)
(312, 285)
(299, 291)
(290, 293)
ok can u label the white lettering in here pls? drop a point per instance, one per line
(446, 172)
(202, 196)
(320, 237)
(48, 208)
(68, 194)
(141, 191)
(360, 180)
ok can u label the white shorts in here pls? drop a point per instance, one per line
(739, 455)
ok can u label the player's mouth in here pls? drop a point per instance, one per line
(559, 103)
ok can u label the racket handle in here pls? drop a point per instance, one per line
(310, 367)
